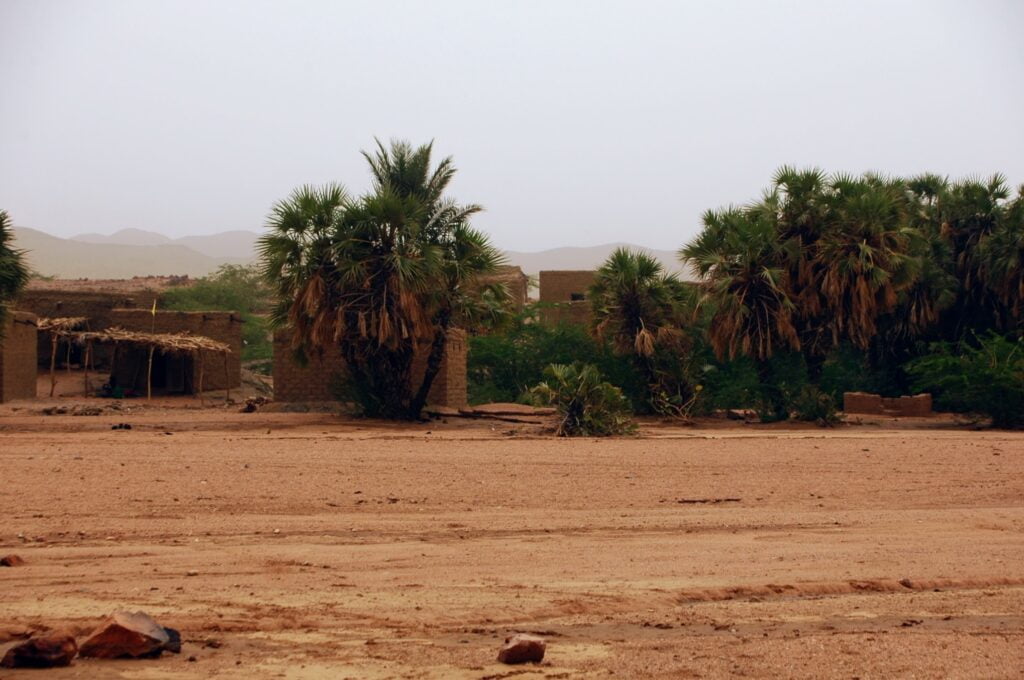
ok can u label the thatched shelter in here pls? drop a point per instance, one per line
(125, 342)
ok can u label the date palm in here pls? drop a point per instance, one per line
(383, 277)
(14, 273)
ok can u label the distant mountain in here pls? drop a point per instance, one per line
(230, 244)
(76, 259)
(587, 258)
(134, 252)
(125, 237)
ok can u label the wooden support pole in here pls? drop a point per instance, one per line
(67, 358)
(149, 374)
(227, 380)
(200, 353)
(85, 365)
(53, 362)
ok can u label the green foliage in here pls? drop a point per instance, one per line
(586, 405)
(233, 288)
(502, 366)
(986, 378)
(14, 272)
(642, 312)
(812, 405)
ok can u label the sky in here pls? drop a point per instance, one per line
(573, 123)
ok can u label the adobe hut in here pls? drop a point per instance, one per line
(563, 296)
(318, 379)
(18, 360)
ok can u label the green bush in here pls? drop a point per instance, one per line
(587, 406)
(233, 288)
(503, 366)
(987, 378)
(812, 405)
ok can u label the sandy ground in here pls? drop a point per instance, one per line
(329, 548)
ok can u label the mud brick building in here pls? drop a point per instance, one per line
(916, 406)
(179, 374)
(317, 380)
(94, 300)
(563, 296)
(515, 281)
(18, 357)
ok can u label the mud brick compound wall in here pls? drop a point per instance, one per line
(316, 380)
(18, 357)
(567, 291)
(919, 405)
(223, 327)
(96, 306)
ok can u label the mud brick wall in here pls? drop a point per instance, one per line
(95, 306)
(18, 357)
(862, 402)
(316, 380)
(223, 327)
(917, 406)
(516, 282)
(557, 290)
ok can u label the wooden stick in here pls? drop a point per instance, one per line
(67, 358)
(53, 362)
(227, 380)
(149, 374)
(85, 365)
(200, 395)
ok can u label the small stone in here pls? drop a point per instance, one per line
(173, 640)
(191, 572)
(47, 651)
(11, 561)
(522, 648)
(126, 634)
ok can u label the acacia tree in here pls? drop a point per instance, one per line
(639, 308)
(383, 277)
(14, 273)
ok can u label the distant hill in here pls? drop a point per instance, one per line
(134, 252)
(74, 259)
(227, 244)
(587, 258)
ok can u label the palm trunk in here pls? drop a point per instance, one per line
(434, 360)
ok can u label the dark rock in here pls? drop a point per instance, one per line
(173, 640)
(47, 651)
(11, 561)
(522, 648)
(127, 634)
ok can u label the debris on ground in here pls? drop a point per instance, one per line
(45, 651)
(130, 634)
(253, 404)
(522, 648)
(11, 561)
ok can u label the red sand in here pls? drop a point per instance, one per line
(330, 548)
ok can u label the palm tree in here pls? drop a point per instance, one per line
(739, 259)
(384, 277)
(14, 273)
(639, 309)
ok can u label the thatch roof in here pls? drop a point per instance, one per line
(167, 343)
(61, 324)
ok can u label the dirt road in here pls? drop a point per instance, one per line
(324, 548)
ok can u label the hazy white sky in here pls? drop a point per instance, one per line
(574, 123)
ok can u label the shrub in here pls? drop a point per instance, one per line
(587, 406)
(503, 366)
(987, 378)
(233, 288)
(812, 405)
